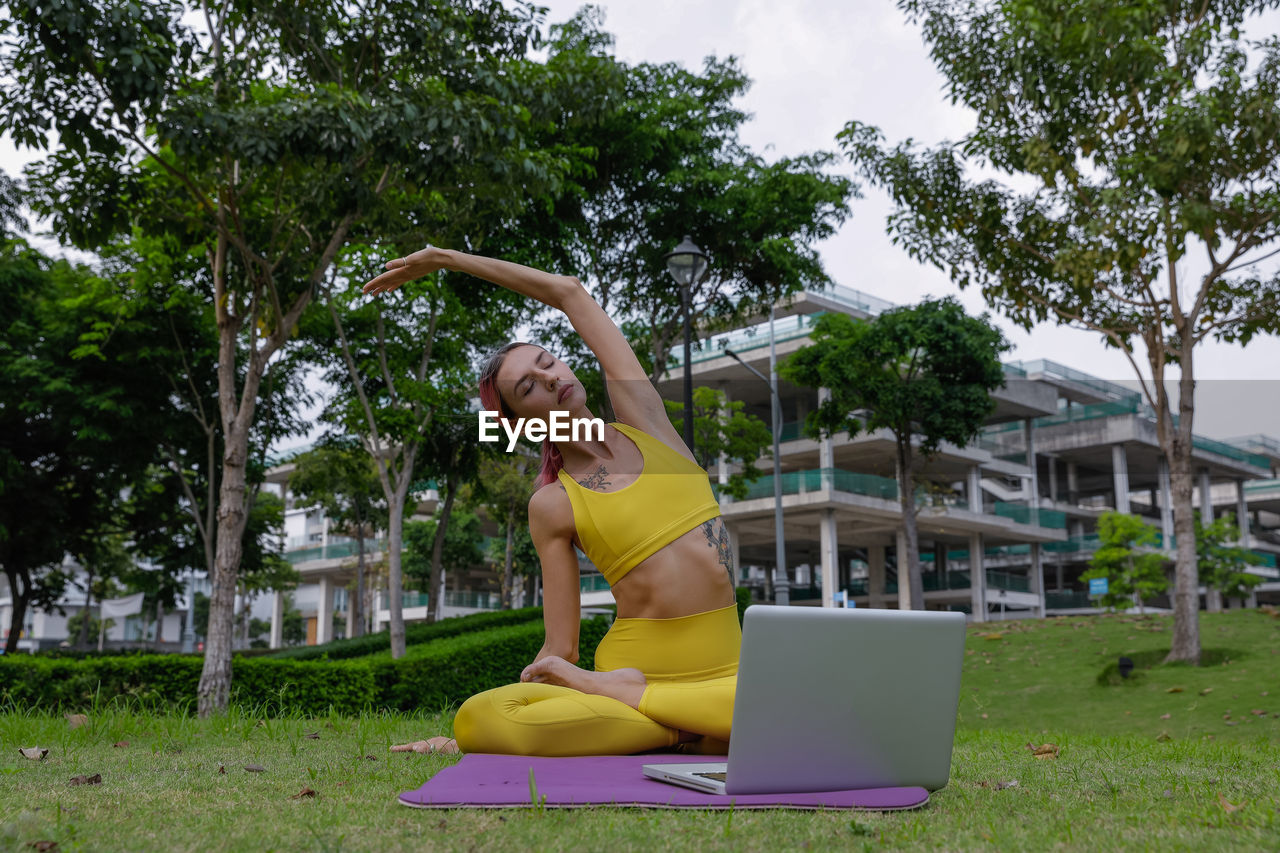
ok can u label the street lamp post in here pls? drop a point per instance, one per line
(781, 592)
(686, 264)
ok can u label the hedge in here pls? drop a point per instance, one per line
(417, 632)
(444, 674)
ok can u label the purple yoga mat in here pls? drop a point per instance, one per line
(498, 781)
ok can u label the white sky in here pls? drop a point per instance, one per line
(816, 64)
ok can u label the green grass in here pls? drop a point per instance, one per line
(1120, 781)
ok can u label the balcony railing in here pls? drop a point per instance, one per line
(1031, 515)
(1070, 599)
(592, 583)
(934, 581)
(334, 551)
(452, 598)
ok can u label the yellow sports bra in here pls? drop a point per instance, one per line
(618, 529)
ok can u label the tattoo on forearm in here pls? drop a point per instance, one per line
(718, 537)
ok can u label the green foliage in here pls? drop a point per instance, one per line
(461, 545)
(435, 675)
(743, 596)
(1130, 569)
(1219, 558)
(721, 426)
(926, 370)
(415, 634)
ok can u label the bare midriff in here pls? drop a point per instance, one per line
(682, 578)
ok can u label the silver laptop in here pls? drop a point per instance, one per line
(830, 699)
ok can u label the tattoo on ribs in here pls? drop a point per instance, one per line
(718, 537)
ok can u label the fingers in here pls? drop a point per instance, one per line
(386, 282)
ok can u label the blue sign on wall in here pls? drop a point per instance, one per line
(1097, 586)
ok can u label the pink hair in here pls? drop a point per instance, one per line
(491, 400)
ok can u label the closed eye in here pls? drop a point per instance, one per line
(529, 387)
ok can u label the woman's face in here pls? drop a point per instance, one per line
(534, 383)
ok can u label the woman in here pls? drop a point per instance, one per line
(642, 509)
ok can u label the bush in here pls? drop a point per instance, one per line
(442, 674)
(415, 633)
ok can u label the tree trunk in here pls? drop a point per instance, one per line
(909, 563)
(358, 604)
(19, 598)
(395, 578)
(83, 642)
(507, 561)
(1176, 444)
(215, 678)
(437, 550)
(159, 625)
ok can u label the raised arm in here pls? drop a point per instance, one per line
(635, 400)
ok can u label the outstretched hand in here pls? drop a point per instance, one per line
(438, 745)
(420, 263)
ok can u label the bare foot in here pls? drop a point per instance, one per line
(625, 685)
(439, 745)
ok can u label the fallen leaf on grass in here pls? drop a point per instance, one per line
(120, 744)
(1044, 750)
(1229, 807)
(43, 845)
(1163, 736)
(35, 753)
(984, 716)
(1174, 690)
(1258, 712)
(993, 636)
(255, 768)
(370, 758)
(305, 792)
(1165, 716)
(75, 721)
(222, 769)
(95, 779)
(999, 786)
(1206, 691)
(312, 736)
(1226, 716)
(1231, 723)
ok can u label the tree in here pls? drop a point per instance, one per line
(1133, 572)
(396, 113)
(504, 488)
(1219, 557)
(720, 426)
(669, 161)
(339, 476)
(924, 372)
(1145, 141)
(525, 562)
(74, 423)
(459, 551)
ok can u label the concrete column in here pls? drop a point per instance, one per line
(977, 578)
(1120, 477)
(1166, 504)
(875, 574)
(1242, 514)
(826, 447)
(324, 530)
(1053, 479)
(904, 582)
(277, 619)
(1033, 498)
(1073, 484)
(324, 611)
(351, 614)
(974, 489)
(1037, 578)
(1205, 488)
(830, 562)
(722, 461)
(734, 554)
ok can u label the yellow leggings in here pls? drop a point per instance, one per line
(689, 662)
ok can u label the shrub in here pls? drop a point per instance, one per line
(441, 674)
(415, 633)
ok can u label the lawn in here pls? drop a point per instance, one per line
(1174, 757)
